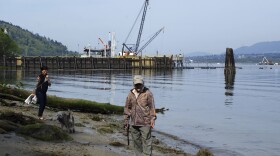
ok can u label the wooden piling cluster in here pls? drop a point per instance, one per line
(11, 62)
(229, 62)
(73, 63)
(229, 71)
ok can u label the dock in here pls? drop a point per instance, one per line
(73, 63)
(76, 63)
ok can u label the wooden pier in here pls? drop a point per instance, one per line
(73, 63)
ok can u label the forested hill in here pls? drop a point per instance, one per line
(33, 44)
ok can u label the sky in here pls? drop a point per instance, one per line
(189, 25)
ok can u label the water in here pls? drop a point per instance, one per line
(241, 120)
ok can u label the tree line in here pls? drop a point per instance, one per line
(15, 41)
(8, 47)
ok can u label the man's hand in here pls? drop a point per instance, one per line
(152, 123)
(125, 126)
(125, 129)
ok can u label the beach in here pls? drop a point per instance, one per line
(88, 140)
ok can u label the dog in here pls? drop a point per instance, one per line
(66, 119)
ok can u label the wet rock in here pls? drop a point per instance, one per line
(9, 103)
(96, 118)
(204, 152)
(2, 131)
(84, 142)
(165, 149)
(155, 141)
(17, 118)
(104, 130)
(79, 125)
(8, 126)
(116, 144)
(44, 132)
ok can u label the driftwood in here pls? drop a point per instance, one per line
(161, 110)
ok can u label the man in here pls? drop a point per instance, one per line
(41, 89)
(140, 108)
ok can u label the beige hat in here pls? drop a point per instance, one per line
(138, 79)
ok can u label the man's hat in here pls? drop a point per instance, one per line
(138, 79)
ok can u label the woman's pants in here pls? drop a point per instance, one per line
(42, 98)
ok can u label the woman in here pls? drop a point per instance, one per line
(41, 89)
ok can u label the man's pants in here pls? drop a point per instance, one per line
(142, 139)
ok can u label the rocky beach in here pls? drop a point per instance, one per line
(95, 134)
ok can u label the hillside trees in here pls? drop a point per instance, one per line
(8, 47)
(32, 44)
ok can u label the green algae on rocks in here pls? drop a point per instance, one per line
(44, 132)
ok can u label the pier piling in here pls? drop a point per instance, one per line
(229, 62)
(229, 71)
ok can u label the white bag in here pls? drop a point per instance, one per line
(29, 99)
(34, 99)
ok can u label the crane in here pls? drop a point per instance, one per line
(141, 25)
(106, 47)
(146, 3)
(150, 40)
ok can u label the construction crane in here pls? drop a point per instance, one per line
(106, 47)
(146, 3)
(150, 40)
(141, 25)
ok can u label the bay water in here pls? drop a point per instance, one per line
(241, 117)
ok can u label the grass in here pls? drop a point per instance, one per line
(63, 103)
(83, 105)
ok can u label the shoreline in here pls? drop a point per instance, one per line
(87, 139)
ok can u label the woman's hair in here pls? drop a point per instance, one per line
(44, 68)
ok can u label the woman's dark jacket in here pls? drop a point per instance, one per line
(42, 85)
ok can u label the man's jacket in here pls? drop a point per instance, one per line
(140, 108)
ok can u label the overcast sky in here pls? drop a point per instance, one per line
(190, 25)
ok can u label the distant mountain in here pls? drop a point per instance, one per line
(33, 44)
(260, 48)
